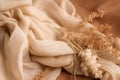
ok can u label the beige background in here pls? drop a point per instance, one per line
(110, 7)
(112, 17)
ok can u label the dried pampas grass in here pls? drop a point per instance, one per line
(89, 46)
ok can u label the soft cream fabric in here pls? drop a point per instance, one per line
(29, 41)
(28, 30)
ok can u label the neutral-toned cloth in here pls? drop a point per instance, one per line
(29, 41)
(28, 30)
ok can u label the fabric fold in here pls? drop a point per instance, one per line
(32, 46)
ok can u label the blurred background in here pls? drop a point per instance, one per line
(111, 9)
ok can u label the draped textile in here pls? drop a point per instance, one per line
(29, 40)
(28, 37)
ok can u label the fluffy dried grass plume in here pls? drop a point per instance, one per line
(86, 45)
(42, 74)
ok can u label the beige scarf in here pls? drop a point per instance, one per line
(30, 47)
